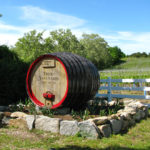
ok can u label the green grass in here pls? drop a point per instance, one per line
(134, 63)
(137, 138)
(133, 68)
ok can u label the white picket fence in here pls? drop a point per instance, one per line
(108, 86)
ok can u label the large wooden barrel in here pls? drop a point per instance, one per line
(62, 79)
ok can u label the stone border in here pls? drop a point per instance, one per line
(92, 128)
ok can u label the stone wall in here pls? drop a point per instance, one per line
(93, 128)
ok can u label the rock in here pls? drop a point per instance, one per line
(132, 122)
(136, 104)
(113, 116)
(90, 102)
(142, 114)
(30, 119)
(69, 127)
(18, 123)
(4, 108)
(103, 103)
(125, 125)
(105, 130)
(1, 115)
(120, 111)
(89, 130)
(5, 120)
(97, 103)
(100, 120)
(125, 116)
(138, 116)
(132, 113)
(146, 111)
(47, 124)
(116, 125)
(130, 109)
(18, 115)
(7, 114)
(112, 103)
(127, 102)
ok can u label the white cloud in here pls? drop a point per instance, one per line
(6, 27)
(125, 34)
(129, 42)
(37, 15)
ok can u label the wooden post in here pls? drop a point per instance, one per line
(109, 90)
(145, 93)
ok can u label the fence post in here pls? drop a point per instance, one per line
(109, 89)
(145, 93)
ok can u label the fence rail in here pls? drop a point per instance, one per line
(110, 88)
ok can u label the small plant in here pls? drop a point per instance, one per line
(48, 112)
(32, 108)
(80, 115)
(78, 134)
(84, 114)
(94, 107)
(28, 102)
(74, 114)
(17, 107)
(110, 111)
(102, 112)
(20, 106)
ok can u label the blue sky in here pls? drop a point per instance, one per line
(122, 23)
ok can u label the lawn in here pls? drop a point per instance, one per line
(137, 138)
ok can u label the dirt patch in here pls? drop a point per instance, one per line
(23, 134)
(64, 117)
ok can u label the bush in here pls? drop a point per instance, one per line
(12, 77)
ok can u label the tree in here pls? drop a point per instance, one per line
(65, 41)
(116, 54)
(30, 46)
(33, 44)
(96, 49)
(138, 54)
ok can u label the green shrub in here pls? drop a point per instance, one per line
(12, 77)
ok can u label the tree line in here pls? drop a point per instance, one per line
(90, 46)
(139, 54)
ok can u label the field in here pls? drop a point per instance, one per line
(137, 138)
(134, 63)
(135, 68)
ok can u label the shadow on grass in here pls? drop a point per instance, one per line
(107, 148)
